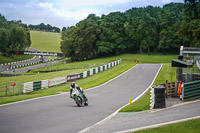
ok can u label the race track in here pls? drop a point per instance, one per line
(59, 113)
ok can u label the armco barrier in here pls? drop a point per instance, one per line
(191, 90)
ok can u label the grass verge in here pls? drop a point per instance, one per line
(45, 41)
(143, 103)
(4, 59)
(191, 126)
(97, 79)
(89, 82)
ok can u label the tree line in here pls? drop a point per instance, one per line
(14, 36)
(43, 27)
(138, 30)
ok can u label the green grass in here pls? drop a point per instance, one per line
(4, 59)
(149, 58)
(89, 82)
(191, 126)
(143, 103)
(75, 65)
(45, 41)
(127, 62)
(36, 77)
(140, 105)
(101, 61)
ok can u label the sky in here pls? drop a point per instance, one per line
(64, 13)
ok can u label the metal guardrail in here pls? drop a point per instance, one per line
(191, 90)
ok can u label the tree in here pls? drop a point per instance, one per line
(134, 28)
(44, 27)
(190, 27)
(18, 39)
(79, 42)
(14, 36)
(68, 43)
(64, 29)
(170, 24)
(4, 41)
(112, 39)
(88, 31)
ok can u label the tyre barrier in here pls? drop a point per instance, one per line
(159, 92)
(157, 99)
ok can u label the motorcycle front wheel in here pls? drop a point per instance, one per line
(78, 101)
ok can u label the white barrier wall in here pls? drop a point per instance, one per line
(91, 71)
(85, 74)
(105, 67)
(28, 87)
(56, 81)
(96, 69)
(101, 68)
(113, 64)
(44, 84)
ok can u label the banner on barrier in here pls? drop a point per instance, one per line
(73, 77)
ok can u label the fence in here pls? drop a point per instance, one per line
(2, 90)
(36, 85)
(171, 89)
(191, 90)
(13, 88)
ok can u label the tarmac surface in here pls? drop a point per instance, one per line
(129, 122)
(24, 63)
(59, 113)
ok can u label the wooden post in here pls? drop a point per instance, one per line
(6, 91)
(176, 88)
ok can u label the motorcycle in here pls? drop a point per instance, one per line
(79, 98)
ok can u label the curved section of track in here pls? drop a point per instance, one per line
(60, 114)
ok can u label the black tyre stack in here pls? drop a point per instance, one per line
(159, 92)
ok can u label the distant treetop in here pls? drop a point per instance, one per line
(43, 27)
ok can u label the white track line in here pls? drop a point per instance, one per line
(112, 115)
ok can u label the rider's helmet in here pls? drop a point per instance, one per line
(72, 84)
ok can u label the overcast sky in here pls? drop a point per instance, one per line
(62, 13)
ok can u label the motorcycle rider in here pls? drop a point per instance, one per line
(73, 86)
